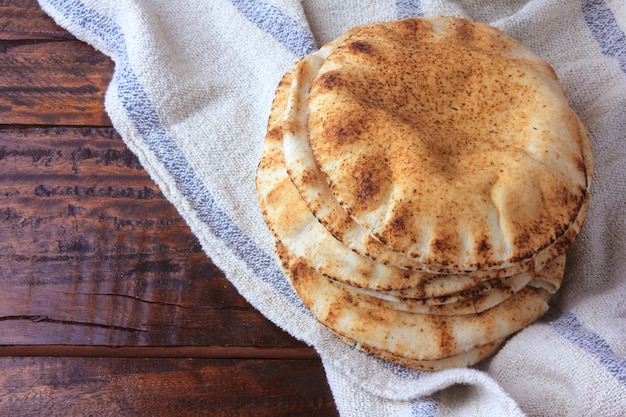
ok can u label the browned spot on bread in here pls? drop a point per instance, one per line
(330, 80)
(368, 191)
(361, 46)
(344, 131)
(333, 314)
(522, 239)
(308, 177)
(482, 245)
(446, 339)
(299, 271)
(443, 243)
(465, 30)
(410, 27)
(398, 223)
(366, 188)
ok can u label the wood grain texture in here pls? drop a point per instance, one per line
(89, 243)
(53, 83)
(110, 306)
(160, 387)
(22, 19)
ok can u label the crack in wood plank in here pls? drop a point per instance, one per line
(46, 319)
(162, 303)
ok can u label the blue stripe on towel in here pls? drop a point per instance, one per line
(571, 329)
(425, 407)
(409, 8)
(147, 122)
(606, 31)
(403, 371)
(296, 37)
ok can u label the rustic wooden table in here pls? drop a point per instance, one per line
(109, 306)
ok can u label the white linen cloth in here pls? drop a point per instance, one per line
(191, 94)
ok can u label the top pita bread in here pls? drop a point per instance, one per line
(471, 164)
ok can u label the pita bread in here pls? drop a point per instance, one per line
(290, 220)
(420, 206)
(447, 160)
(403, 334)
(551, 278)
(308, 179)
(468, 358)
(475, 300)
(297, 229)
(292, 223)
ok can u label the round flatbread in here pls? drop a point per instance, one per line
(462, 360)
(310, 182)
(472, 164)
(293, 224)
(403, 334)
(421, 204)
(475, 300)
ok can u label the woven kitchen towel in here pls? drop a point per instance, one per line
(191, 95)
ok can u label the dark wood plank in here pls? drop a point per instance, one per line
(23, 19)
(92, 253)
(205, 352)
(53, 83)
(162, 387)
(110, 306)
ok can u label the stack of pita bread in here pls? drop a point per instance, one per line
(423, 179)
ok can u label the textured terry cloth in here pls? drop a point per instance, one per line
(191, 95)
